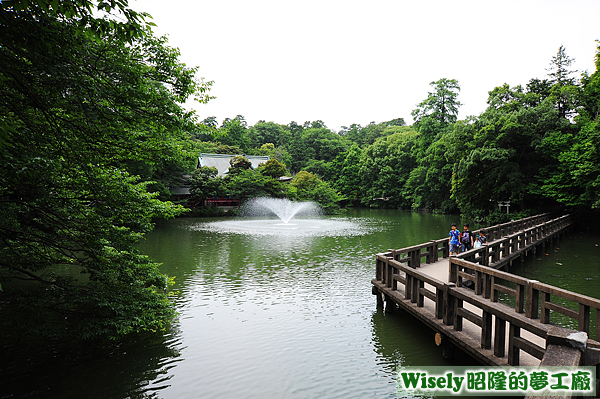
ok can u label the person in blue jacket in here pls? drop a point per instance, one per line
(454, 240)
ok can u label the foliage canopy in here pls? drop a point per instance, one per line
(85, 102)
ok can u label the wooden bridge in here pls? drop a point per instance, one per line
(443, 291)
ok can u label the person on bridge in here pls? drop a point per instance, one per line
(480, 239)
(466, 238)
(454, 240)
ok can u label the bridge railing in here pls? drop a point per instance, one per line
(536, 300)
(540, 294)
(503, 250)
(449, 301)
(494, 232)
(434, 250)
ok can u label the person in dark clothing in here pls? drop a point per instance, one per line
(466, 238)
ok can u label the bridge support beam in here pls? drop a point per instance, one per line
(379, 297)
(390, 306)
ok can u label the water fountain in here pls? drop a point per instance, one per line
(283, 208)
(284, 218)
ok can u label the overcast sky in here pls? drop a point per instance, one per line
(347, 62)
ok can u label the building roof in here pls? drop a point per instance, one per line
(183, 190)
(221, 161)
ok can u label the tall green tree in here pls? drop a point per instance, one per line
(441, 104)
(575, 181)
(234, 132)
(563, 90)
(83, 99)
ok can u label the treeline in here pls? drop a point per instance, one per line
(535, 146)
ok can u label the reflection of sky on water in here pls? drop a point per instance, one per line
(286, 309)
(295, 228)
(265, 234)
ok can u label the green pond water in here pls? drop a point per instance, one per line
(271, 311)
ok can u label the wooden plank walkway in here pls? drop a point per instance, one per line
(429, 284)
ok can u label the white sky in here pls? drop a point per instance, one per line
(350, 62)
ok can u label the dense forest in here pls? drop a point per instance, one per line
(534, 146)
(93, 135)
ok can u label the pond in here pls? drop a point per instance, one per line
(272, 312)
(285, 312)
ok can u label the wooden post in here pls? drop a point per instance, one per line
(520, 298)
(486, 330)
(439, 303)
(408, 286)
(478, 282)
(453, 272)
(533, 298)
(420, 297)
(414, 290)
(513, 350)
(584, 318)
(448, 318)
(434, 252)
(446, 249)
(486, 255)
(385, 270)
(458, 303)
(493, 289)
(487, 286)
(598, 325)
(545, 314)
(390, 275)
(499, 337)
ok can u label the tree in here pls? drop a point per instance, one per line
(395, 122)
(245, 184)
(559, 69)
(268, 132)
(384, 168)
(234, 132)
(575, 181)
(238, 164)
(311, 188)
(205, 183)
(273, 168)
(348, 179)
(563, 91)
(441, 104)
(84, 99)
